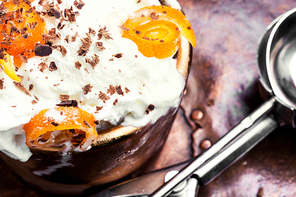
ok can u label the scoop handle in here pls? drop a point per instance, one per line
(237, 148)
(227, 149)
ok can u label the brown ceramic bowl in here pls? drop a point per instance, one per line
(119, 152)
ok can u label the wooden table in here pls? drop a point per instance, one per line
(223, 88)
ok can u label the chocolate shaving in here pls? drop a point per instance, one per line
(56, 13)
(119, 90)
(34, 102)
(79, 5)
(32, 25)
(118, 55)
(52, 36)
(103, 32)
(42, 50)
(74, 37)
(94, 62)
(100, 46)
(115, 102)
(68, 103)
(85, 46)
(61, 49)
(68, 13)
(64, 97)
(37, 99)
(149, 108)
(86, 70)
(126, 90)
(87, 124)
(1, 84)
(2, 53)
(123, 27)
(153, 16)
(24, 58)
(60, 26)
(42, 66)
(91, 31)
(21, 87)
(98, 108)
(103, 96)
(31, 87)
(41, 2)
(52, 66)
(87, 88)
(55, 124)
(78, 65)
(111, 90)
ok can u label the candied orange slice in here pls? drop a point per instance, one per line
(9, 69)
(68, 127)
(21, 27)
(156, 30)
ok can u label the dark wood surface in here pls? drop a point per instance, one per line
(223, 88)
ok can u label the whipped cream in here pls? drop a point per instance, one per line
(112, 80)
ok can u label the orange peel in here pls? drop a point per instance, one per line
(21, 28)
(56, 126)
(8, 67)
(156, 30)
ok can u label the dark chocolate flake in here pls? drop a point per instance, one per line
(1, 84)
(2, 53)
(78, 65)
(149, 108)
(42, 50)
(87, 124)
(61, 49)
(119, 90)
(98, 108)
(52, 66)
(79, 5)
(42, 66)
(154, 16)
(115, 102)
(103, 96)
(118, 55)
(21, 87)
(24, 59)
(94, 62)
(103, 32)
(56, 13)
(111, 90)
(100, 46)
(126, 90)
(31, 87)
(87, 88)
(68, 103)
(55, 124)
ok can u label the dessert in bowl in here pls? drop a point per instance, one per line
(89, 90)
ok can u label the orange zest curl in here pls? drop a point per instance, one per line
(156, 30)
(58, 126)
(21, 27)
(8, 66)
